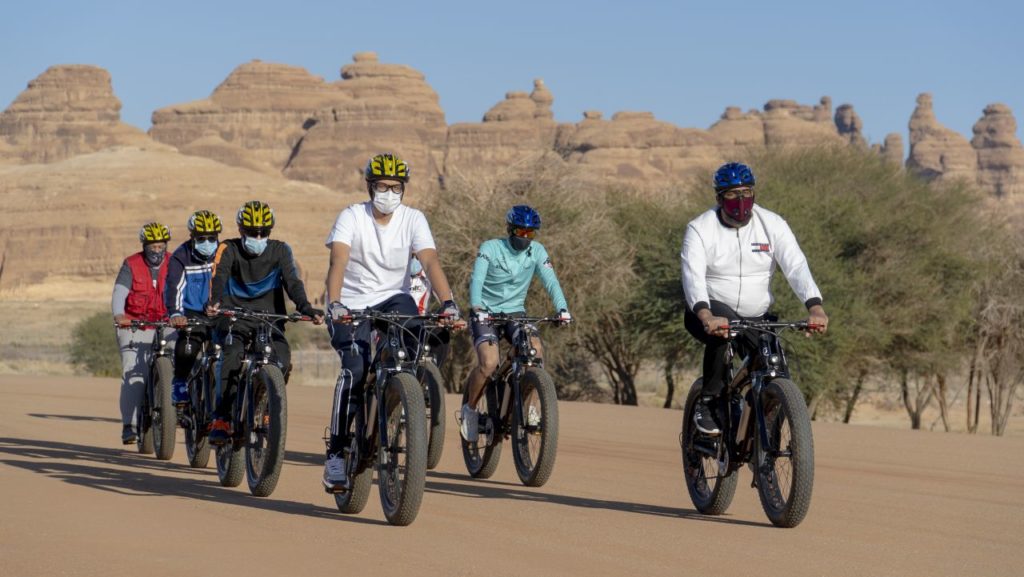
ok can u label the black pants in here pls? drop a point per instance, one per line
(714, 347)
(354, 346)
(231, 362)
(187, 349)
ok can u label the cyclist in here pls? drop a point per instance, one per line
(139, 295)
(728, 256)
(370, 246)
(188, 288)
(252, 272)
(501, 278)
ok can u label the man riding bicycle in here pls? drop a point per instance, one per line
(252, 272)
(139, 295)
(370, 246)
(728, 256)
(188, 289)
(501, 278)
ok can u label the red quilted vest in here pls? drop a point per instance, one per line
(145, 301)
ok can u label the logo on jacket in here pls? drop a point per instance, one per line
(760, 247)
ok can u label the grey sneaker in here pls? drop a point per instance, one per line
(335, 475)
(704, 419)
(469, 424)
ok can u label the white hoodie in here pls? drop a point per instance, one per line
(734, 265)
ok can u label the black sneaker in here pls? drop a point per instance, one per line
(128, 435)
(704, 418)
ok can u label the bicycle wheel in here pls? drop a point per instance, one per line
(482, 457)
(433, 395)
(197, 448)
(705, 463)
(164, 420)
(266, 426)
(144, 421)
(354, 500)
(403, 460)
(536, 433)
(230, 464)
(785, 466)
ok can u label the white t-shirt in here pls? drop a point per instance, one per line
(378, 265)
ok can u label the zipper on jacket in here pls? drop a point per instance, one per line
(739, 293)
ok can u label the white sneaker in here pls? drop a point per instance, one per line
(532, 416)
(469, 424)
(335, 477)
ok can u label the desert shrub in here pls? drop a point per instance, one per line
(94, 346)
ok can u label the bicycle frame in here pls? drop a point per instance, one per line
(520, 355)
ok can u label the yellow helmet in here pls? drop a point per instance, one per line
(387, 166)
(255, 214)
(154, 232)
(204, 222)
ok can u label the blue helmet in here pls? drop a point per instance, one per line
(522, 216)
(733, 175)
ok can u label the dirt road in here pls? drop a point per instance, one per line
(74, 501)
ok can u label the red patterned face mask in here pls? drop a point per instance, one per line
(738, 209)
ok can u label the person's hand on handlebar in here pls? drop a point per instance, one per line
(212, 309)
(714, 326)
(339, 313)
(122, 321)
(178, 321)
(817, 321)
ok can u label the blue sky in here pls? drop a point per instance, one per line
(683, 61)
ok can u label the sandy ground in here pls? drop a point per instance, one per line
(886, 502)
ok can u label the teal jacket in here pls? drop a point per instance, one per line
(502, 275)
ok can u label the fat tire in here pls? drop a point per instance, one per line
(706, 499)
(164, 420)
(403, 395)
(144, 422)
(355, 499)
(197, 447)
(262, 477)
(433, 386)
(786, 512)
(481, 463)
(536, 473)
(230, 464)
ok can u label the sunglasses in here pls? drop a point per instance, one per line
(261, 232)
(734, 194)
(210, 238)
(382, 187)
(524, 232)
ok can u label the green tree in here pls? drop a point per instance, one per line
(94, 346)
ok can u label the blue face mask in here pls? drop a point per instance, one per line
(255, 246)
(206, 248)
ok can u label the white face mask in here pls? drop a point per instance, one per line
(386, 202)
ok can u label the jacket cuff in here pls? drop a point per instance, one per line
(812, 302)
(700, 306)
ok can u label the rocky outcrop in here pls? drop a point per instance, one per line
(253, 119)
(388, 107)
(1000, 156)
(67, 110)
(892, 149)
(738, 129)
(789, 124)
(849, 125)
(519, 127)
(936, 152)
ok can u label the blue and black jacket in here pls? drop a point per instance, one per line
(188, 281)
(258, 282)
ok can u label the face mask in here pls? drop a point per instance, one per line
(739, 209)
(255, 246)
(206, 248)
(386, 202)
(519, 243)
(153, 257)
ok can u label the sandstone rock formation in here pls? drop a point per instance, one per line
(849, 125)
(253, 119)
(892, 149)
(936, 152)
(521, 126)
(67, 110)
(388, 107)
(69, 224)
(738, 129)
(1000, 156)
(787, 123)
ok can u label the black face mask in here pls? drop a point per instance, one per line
(519, 243)
(153, 257)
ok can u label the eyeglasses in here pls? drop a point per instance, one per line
(384, 187)
(210, 238)
(737, 193)
(261, 232)
(524, 232)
